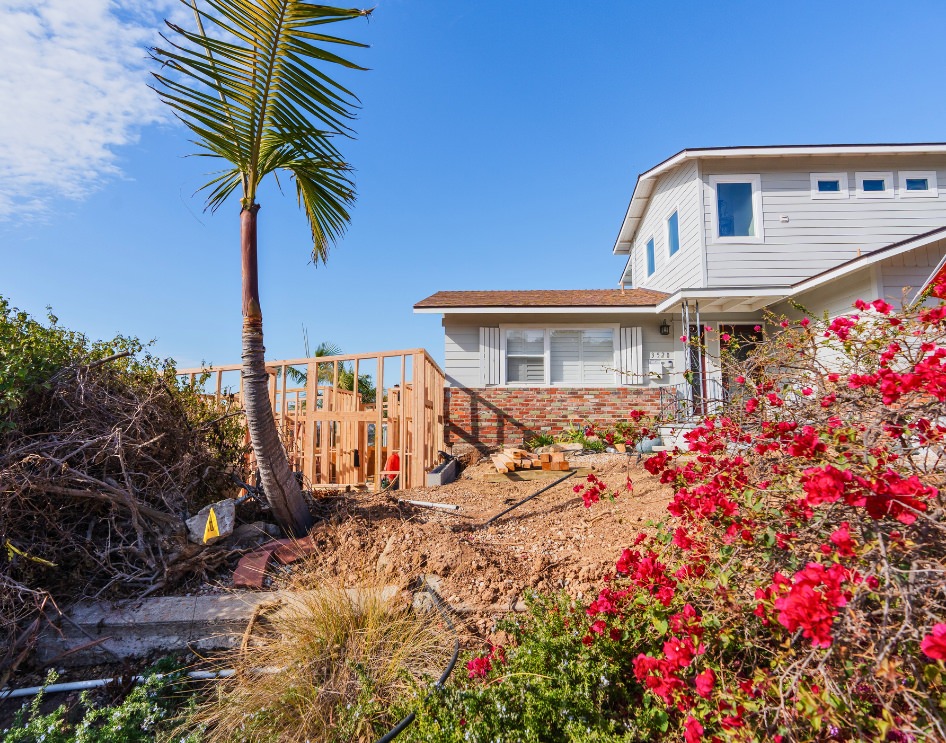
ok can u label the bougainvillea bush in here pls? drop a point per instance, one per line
(797, 589)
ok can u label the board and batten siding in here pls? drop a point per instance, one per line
(470, 362)
(677, 190)
(819, 233)
(910, 269)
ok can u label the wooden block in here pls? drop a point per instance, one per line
(512, 452)
(560, 467)
(558, 456)
(546, 465)
(546, 457)
(499, 464)
(526, 464)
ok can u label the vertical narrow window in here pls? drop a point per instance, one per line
(673, 233)
(525, 356)
(651, 257)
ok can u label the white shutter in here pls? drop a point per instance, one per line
(489, 356)
(632, 356)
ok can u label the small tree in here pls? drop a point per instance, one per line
(250, 90)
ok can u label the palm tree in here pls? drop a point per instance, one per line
(250, 85)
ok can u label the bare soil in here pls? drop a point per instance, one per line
(550, 543)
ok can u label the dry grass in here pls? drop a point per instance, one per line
(350, 663)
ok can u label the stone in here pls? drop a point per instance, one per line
(225, 512)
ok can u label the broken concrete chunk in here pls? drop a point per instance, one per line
(224, 512)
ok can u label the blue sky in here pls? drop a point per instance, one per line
(498, 145)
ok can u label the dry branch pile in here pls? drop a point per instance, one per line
(99, 467)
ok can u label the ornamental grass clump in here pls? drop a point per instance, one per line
(797, 590)
(327, 665)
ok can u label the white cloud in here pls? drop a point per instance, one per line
(73, 87)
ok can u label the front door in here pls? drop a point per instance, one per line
(736, 351)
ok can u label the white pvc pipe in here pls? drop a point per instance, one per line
(32, 691)
(428, 504)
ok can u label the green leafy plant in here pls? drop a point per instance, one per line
(541, 439)
(145, 714)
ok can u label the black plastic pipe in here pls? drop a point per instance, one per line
(526, 500)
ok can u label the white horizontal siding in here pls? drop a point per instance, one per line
(462, 355)
(677, 190)
(909, 270)
(836, 297)
(819, 234)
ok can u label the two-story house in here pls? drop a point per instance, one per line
(712, 237)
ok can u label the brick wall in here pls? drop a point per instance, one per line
(507, 416)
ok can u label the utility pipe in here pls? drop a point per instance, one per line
(32, 691)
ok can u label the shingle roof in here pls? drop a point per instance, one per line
(544, 298)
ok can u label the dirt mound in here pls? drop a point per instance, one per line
(552, 542)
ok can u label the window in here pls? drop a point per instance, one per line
(573, 356)
(651, 257)
(829, 186)
(673, 233)
(918, 184)
(737, 208)
(525, 356)
(874, 185)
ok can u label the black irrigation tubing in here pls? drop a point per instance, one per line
(526, 500)
(438, 603)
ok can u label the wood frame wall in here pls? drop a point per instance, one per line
(330, 442)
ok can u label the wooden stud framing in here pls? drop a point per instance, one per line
(324, 425)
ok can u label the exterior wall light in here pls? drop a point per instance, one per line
(665, 328)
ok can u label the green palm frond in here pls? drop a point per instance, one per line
(250, 83)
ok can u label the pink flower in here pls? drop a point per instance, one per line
(758, 328)
(725, 337)
(479, 667)
(683, 339)
(804, 322)
(705, 682)
(740, 379)
(881, 306)
(807, 391)
(934, 644)
(841, 538)
(751, 405)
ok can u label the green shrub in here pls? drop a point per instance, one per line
(145, 714)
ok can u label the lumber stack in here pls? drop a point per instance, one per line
(555, 461)
(510, 460)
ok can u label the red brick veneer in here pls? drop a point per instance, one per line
(506, 416)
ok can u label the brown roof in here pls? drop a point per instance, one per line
(545, 298)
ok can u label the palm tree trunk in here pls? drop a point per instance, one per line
(280, 485)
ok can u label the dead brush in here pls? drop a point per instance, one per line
(326, 665)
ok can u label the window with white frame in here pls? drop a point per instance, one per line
(737, 208)
(673, 233)
(829, 186)
(918, 184)
(564, 356)
(651, 257)
(874, 185)
(525, 356)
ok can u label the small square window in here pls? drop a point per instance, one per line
(918, 184)
(875, 185)
(829, 186)
(651, 257)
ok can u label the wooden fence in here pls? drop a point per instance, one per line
(361, 415)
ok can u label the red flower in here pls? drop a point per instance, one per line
(934, 644)
(841, 538)
(479, 667)
(705, 682)
(751, 404)
(812, 601)
(692, 730)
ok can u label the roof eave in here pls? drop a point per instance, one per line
(538, 309)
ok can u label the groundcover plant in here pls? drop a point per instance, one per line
(796, 591)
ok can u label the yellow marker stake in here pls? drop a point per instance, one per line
(211, 530)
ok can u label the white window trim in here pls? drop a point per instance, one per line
(756, 181)
(887, 193)
(675, 210)
(647, 271)
(615, 329)
(844, 193)
(931, 193)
